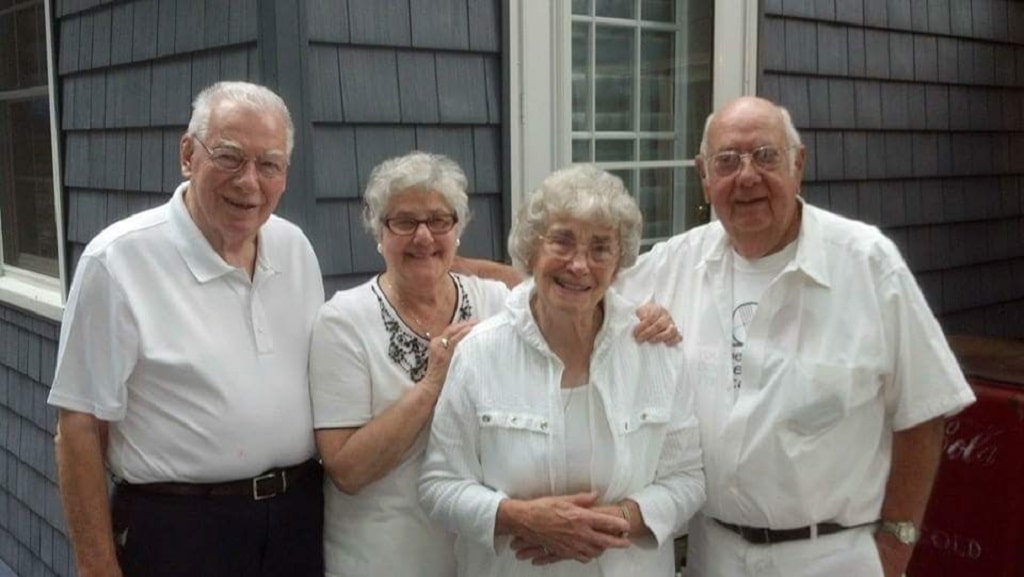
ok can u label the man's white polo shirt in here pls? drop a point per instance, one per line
(201, 371)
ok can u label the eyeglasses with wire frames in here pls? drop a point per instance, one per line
(231, 159)
(407, 226)
(564, 247)
(764, 158)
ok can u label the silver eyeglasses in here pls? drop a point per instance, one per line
(231, 159)
(766, 158)
(564, 247)
(406, 226)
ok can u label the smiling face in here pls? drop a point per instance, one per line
(422, 257)
(758, 208)
(574, 284)
(230, 207)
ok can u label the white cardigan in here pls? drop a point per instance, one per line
(498, 432)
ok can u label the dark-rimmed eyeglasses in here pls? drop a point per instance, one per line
(407, 226)
(565, 247)
(230, 159)
(765, 158)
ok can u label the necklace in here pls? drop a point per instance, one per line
(570, 393)
(404, 310)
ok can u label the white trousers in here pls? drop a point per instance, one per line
(715, 551)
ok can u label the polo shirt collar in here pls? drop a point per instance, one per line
(199, 256)
(810, 256)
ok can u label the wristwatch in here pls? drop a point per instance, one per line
(904, 531)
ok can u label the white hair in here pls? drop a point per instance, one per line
(259, 97)
(580, 191)
(420, 172)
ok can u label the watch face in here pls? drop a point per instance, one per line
(904, 531)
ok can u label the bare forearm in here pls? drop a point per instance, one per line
(915, 461)
(80, 444)
(376, 448)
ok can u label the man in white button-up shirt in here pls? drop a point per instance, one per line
(822, 377)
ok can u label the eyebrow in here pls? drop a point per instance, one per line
(234, 146)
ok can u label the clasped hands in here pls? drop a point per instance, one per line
(558, 528)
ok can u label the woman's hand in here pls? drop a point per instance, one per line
(551, 529)
(441, 349)
(656, 325)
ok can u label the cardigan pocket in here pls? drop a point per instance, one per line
(514, 452)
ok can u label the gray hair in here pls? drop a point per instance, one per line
(420, 172)
(580, 191)
(792, 135)
(254, 95)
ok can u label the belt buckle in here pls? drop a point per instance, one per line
(257, 496)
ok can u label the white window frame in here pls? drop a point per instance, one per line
(540, 49)
(37, 293)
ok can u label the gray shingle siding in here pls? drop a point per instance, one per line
(915, 125)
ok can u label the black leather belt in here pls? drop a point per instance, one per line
(270, 484)
(762, 536)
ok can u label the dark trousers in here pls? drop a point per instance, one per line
(221, 536)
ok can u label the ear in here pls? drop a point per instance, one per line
(186, 148)
(798, 163)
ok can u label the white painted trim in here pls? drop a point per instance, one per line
(58, 178)
(734, 72)
(33, 292)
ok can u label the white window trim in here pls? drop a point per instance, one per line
(540, 47)
(37, 293)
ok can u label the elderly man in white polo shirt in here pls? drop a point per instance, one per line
(182, 367)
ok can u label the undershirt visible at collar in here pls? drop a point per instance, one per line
(773, 263)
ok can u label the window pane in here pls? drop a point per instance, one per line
(26, 186)
(616, 8)
(580, 76)
(692, 197)
(8, 53)
(613, 91)
(613, 150)
(31, 45)
(657, 149)
(658, 10)
(581, 7)
(696, 74)
(657, 55)
(581, 151)
(655, 199)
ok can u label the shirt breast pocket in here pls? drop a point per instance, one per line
(643, 433)
(514, 452)
(827, 393)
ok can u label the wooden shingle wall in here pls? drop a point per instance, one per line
(128, 72)
(387, 77)
(32, 541)
(913, 115)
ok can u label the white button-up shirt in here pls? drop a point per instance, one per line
(499, 431)
(842, 351)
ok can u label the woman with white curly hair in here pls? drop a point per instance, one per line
(558, 438)
(379, 357)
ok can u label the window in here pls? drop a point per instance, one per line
(628, 86)
(30, 242)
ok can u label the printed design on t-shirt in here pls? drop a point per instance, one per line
(406, 348)
(741, 317)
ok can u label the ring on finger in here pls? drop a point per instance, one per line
(444, 342)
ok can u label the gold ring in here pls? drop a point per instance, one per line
(444, 342)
